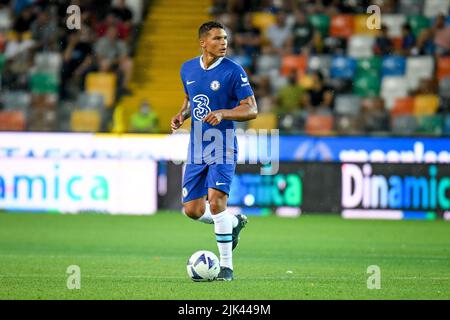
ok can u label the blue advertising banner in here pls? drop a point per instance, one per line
(365, 149)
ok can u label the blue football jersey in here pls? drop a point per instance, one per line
(222, 86)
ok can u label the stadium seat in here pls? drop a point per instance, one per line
(3, 41)
(292, 123)
(319, 124)
(12, 121)
(418, 68)
(367, 84)
(392, 88)
(2, 62)
(343, 67)
(347, 104)
(265, 63)
(403, 106)
(244, 60)
(264, 121)
(360, 26)
(44, 101)
(103, 83)
(434, 7)
(306, 81)
(411, 7)
(443, 67)
(85, 121)
(42, 119)
(418, 23)
(393, 66)
(404, 124)
(277, 81)
(397, 42)
(426, 104)
(90, 101)
(15, 100)
(446, 125)
(320, 63)
(394, 22)
(136, 7)
(321, 23)
(431, 124)
(342, 25)
(360, 46)
(444, 87)
(44, 83)
(369, 65)
(48, 62)
(293, 62)
(348, 124)
(262, 20)
(341, 85)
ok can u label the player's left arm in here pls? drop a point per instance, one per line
(246, 110)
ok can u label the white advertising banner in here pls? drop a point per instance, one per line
(78, 185)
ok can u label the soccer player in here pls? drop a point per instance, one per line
(218, 92)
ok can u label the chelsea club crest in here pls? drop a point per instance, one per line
(215, 85)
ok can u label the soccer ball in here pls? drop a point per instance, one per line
(203, 266)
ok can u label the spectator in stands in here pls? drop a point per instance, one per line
(408, 40)
(112, 56)
(263, 95)
(5, 16)
(374, 116)
(44, 31)
(301, 39)
(425, 43)
(123, 12)
(23, 22)
(290, 96)
(278, 34)
(383, 44)
(441, 36)
(77, 58)
(247, 37)
(320, 97)
(111, 21)
(145, 120)
(18, 54)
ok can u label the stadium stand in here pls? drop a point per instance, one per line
(390, 81)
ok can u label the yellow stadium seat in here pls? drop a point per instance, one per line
(263, 20)
(426, 104)
(264, 121)
(306, 81)
(361, 26)
(85, 121)
(103, 83)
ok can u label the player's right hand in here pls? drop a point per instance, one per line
(176, 122)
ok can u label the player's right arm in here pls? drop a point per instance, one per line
(180, 117)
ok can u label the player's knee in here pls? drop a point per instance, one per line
(192, 213)
(216, 206)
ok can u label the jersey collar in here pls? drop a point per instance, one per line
(215, 64)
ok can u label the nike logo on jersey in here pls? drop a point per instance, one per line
(190, 82)
(220, 183)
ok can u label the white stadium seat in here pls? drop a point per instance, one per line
(361, 46)
(393, 87)
(418, 68)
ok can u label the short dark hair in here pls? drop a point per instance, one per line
(207, 26)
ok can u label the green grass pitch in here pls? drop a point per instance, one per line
(310, 257)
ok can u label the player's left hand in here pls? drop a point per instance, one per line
(214, 117)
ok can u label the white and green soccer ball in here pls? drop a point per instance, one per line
(203, 266)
